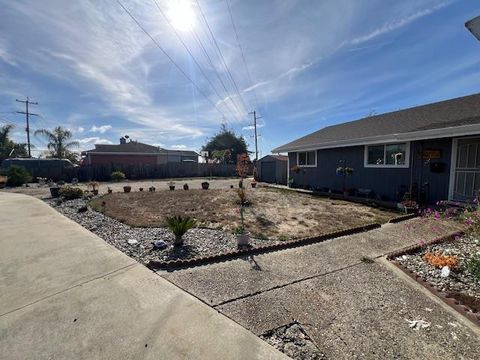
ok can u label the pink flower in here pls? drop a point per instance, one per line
(422, 242)
(469, 222)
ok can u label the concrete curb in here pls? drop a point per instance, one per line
(185, 263)
(453, 303)
(402, 218)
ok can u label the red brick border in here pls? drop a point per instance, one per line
(455, 304)
(184, 263)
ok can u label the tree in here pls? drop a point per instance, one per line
(59, 143)
(8, 148)
(224, 143)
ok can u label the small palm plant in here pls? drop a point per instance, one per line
(179, 226)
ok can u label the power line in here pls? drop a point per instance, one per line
(241, 52)
(169, 57)
(221, 56)
(190, 53)
(200, 44)
(27, 118)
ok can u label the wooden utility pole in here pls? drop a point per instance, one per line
(255, 118)
(27, 115)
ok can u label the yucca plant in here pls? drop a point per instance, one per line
(179, 226)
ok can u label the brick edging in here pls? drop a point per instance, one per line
(452, 302)
(184, 263)
(402, 218)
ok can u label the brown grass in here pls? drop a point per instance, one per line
(273, 213)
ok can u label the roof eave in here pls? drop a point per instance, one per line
(410, 136)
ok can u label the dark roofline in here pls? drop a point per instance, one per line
(456, 125)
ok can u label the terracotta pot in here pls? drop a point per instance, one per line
(95, 192)
(110, 191)
(205, 185)
(172, 187)
(127, 189)
(254, 185)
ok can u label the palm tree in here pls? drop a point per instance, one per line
(9, 148)
(58, 141)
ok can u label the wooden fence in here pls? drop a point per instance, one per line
(164, 171)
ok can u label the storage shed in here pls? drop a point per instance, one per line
(273, 169)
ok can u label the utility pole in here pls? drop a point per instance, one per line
(27, 115)
(255, 118)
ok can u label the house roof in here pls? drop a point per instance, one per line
(135, 147)
(455, 117)
(276, 157)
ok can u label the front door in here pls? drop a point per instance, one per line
(467, 170)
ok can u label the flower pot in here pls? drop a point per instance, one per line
(140, 189)
(95, 192)
(243, 239)
(151, 189)
(185, 187)
(55, 192)
(231, 186)
(254, 185)
(110, 191)
(205, 185)
(127, 189)
(172, 187)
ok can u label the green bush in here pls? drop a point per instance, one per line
(17, 175)
(473, 266)
(117, 176)
(179, 226)
(71, 193)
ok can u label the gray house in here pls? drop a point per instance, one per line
(429, 153)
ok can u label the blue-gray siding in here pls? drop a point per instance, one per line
(387, 183)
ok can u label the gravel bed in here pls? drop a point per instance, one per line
(197, 241)
(459, 280)
(293, 341)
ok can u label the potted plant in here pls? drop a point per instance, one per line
(205, 185)
(127, 188)
(243, 238)
(409, 206)
(179, 226)
(254, 184)
(171, 185)
(140, 189)
(54, 190)
(151, 189)
(231, 186)
(344, 171)
(185, 186)
(109, 190)
(94, 186)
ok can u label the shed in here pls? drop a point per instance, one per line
(273, 169)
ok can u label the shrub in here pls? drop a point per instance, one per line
(117, 176)
(473, 267)
(17, 176)
(71, 193)
(179, 226)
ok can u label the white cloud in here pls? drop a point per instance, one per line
(398, 23)
(101, 129)
(94, 140)
(251, 127)
(80, 130)
(179, 147)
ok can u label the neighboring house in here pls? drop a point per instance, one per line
(273, 169)
(135, 153)
(432, 151)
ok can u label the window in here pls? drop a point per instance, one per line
(307, 158)
(387, 155)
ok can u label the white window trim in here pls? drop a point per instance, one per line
(298, 156)
(386, 166)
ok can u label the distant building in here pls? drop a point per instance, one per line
(135, 153)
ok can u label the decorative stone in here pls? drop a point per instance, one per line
(445, 272)
(132, 242)
(160, 245)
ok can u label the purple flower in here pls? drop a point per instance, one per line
(469, 222)
(422, 242)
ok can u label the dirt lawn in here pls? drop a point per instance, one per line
(273, 213)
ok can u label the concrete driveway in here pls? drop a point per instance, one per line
(66, 294)
(350, 308)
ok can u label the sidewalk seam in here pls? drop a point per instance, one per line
(69, 288)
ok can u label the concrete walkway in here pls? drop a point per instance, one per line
(66, 294)
(350, 308)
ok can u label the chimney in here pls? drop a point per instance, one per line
(123, 140)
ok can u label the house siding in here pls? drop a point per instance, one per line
(388, 183)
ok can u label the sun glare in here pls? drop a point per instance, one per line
(181, 15)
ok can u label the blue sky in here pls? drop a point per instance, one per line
(311, 64)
